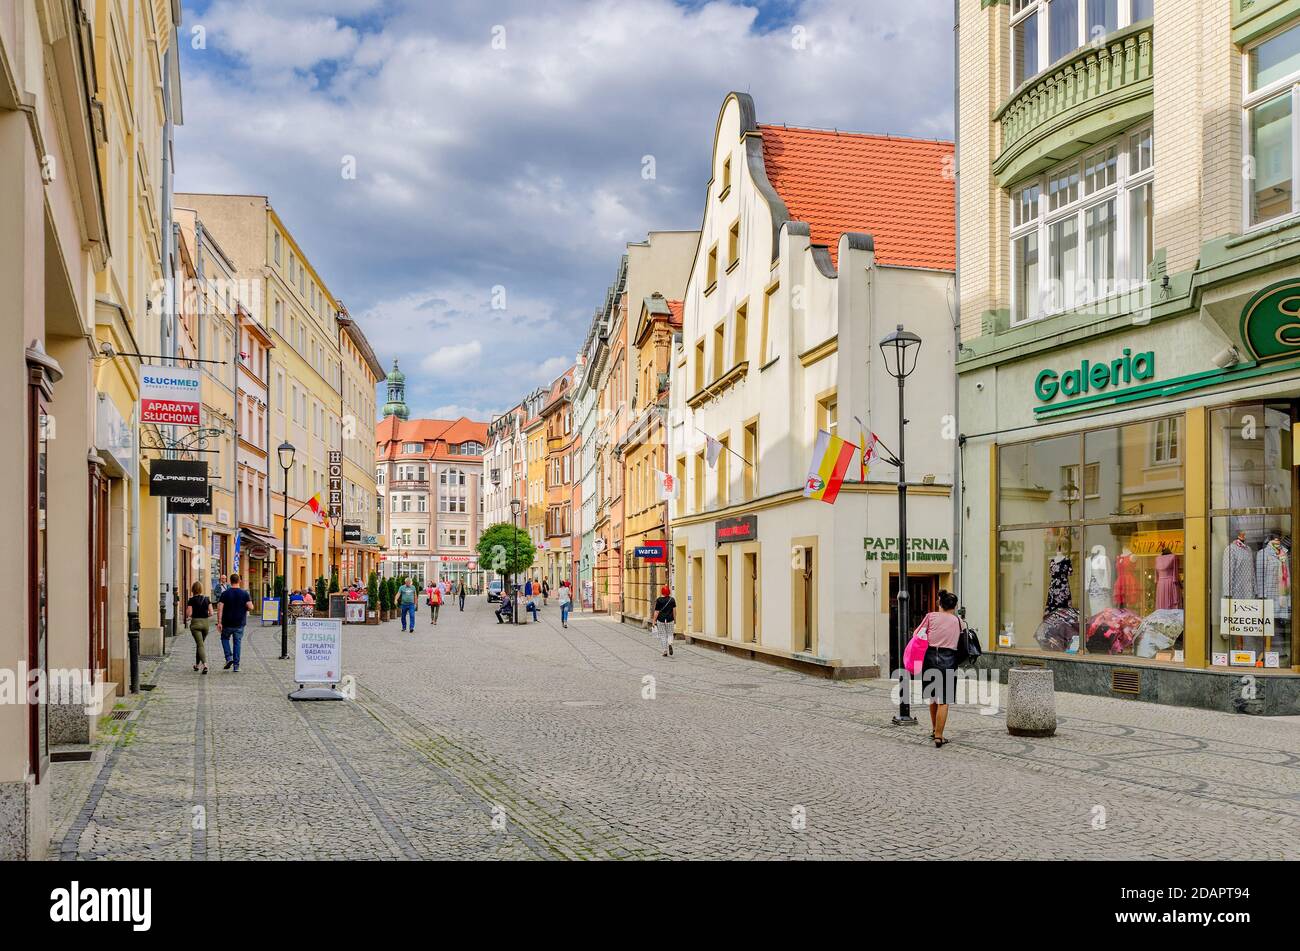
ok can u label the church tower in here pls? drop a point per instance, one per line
(396, 405)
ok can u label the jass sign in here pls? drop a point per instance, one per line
(1089, 377)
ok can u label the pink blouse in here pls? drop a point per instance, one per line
(944, 629)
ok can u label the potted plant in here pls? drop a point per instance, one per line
(322, 597)
(372, 599)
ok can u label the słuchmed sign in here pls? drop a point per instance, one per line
(170, 395)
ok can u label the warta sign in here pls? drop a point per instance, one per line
(1091, 377)
(169, 395)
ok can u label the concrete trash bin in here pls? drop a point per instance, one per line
(1031, 702)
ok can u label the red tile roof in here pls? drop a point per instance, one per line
(898, 190)
(436, 434)
(676, 307)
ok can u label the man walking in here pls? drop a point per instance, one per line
(219, 588)
(460, 593)
(232, 616)
(406, 596)
(546, 592)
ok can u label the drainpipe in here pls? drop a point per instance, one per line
(957, 498)
(133, 581)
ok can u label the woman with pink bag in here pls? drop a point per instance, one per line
(940, 631)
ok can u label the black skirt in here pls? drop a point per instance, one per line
(939, 675)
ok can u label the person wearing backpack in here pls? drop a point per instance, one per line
(198, 615)
(435, 601)
(939, 669)
(566, 603)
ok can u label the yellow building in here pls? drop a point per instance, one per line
(288, 298)
(535, 440)
(645, 452)
(362, 371)
(85, 106)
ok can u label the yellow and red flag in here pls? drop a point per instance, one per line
(869, 454)
(831, 458)
(317, 509)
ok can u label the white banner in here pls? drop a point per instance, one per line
(1246, 617)
(667, 485)
(318, 650)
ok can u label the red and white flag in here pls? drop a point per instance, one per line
(667, 483)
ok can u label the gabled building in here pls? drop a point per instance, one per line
(557, 421)
(814, 245)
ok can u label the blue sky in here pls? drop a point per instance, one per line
(498, 146)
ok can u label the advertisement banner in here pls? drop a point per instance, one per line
(178, 478)
(1246, 617)
(352, 533)
(318, 650)
(197, 504)
(170, 395)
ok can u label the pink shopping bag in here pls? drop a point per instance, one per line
(914, 652)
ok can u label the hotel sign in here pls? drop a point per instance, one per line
(336, 483)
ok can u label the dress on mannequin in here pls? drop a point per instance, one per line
(1168, 592)
(1128, 592)
(1273, 577)
(1058, 585)
(1238, 570)
(1097, 582)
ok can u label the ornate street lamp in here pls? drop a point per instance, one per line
(900, 350)
(515, 507)
(286, 453)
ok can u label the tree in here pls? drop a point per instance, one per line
(334, 581)
(372, 591)
(322, 592)
(505, 549)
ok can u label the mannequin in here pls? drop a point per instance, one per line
(1169, 594)
(1059, 570)
(1128, 592)
(1273, 575)
(1097, 581)
(1238, 569)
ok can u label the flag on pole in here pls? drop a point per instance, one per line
(712, 449)
(869, 453)
(317, 509)
(667, 485)
(831, 458)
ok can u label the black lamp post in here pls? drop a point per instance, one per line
(515, 507)
(900, 350)
(286, 453)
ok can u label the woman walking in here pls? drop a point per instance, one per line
(460, 593)
(665, 614)
(434, 597)
(566, 603)
(939, 669)
(198, 615)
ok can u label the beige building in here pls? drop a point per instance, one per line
(1129, 373)
(85, 107)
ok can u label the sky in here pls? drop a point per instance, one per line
(465, 174)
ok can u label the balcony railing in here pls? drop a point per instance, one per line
(1063, 104)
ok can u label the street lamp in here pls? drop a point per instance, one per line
(515, 507)
(900, 350)
(286, 453)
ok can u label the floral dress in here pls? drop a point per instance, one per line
(1058, 585)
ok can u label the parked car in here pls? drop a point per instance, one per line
(494, 591)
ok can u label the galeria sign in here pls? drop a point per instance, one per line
(1091, 377)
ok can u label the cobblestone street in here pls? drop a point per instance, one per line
(476, 740)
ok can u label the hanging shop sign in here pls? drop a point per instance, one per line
(336, 483)
(351, 533)
(1246, 617)
(1269, 327)
(1090, 377)
(652, 552)
(177, 478)
(194, 505)
(170, 395)
(739, 528)
(918, 549)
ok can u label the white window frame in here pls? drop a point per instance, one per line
(1041, 222)
(1252, 100)
(1022, 10)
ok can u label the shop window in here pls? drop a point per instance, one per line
(1090, 543)
(1251, 536)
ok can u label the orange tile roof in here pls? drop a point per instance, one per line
(898, 190)
(676, 307)
(391, 432)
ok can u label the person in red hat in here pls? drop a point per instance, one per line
(665, 615)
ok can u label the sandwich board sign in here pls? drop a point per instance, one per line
(318, 657)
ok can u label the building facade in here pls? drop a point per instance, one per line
(584, 405)
(504, 445)
(646, 453)
(430, 472)
(557, 421)
(813, 244)
(1128, 372)
(534, 513)
(357, 538)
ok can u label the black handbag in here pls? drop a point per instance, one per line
(968, 647)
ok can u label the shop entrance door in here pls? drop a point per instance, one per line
(38, 425)
(98, 646)
(922, 598)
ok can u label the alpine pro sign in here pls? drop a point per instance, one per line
(169, 395)
(178, 478)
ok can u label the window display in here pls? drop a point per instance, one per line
(1251, 478)
(1091, 530)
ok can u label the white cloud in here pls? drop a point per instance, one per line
(456, 358)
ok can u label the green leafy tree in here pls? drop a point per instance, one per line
(334, 581)
(279, 586)
(505, 549)
(322, 592)
(372, 591)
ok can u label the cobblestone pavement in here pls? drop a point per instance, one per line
(478, 740)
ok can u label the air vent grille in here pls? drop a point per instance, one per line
(1125, 681)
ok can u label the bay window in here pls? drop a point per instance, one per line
(1092, 218)
(1044, 32)
(1272, 78)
